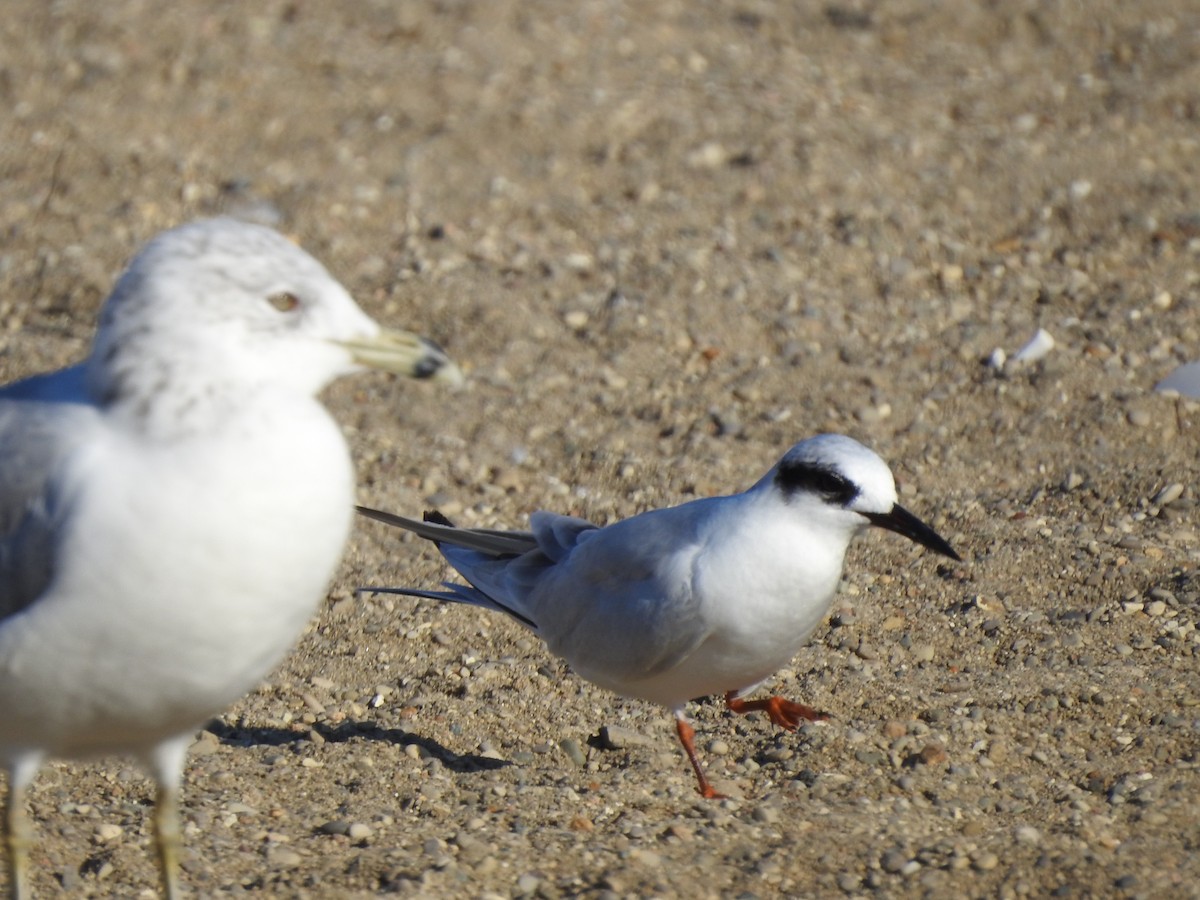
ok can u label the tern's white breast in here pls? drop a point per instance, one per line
(762, 584)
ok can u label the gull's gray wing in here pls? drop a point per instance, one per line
(42, 420)
(62, 386)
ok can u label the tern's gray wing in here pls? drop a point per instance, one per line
(623, 601)
(616, 602)
(509, 579)
(557, 536)
(42, 420)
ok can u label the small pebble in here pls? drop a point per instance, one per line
(573, 751)
(985, 861)
(283, 858)
(680, 831)
(576, 319)
(205, 744)
(616, 737)
(932, 755)
(108, 832)
(849, 882)
(767, 815)
(528, 883)
(869, 756)
(950, 275)
(1027, 834)
(1168, 494)
(579, 263)
(922, 653)
(707, 156)
(647, 858)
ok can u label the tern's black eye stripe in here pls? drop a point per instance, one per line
(815, 479)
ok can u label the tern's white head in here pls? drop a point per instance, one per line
(847, 485)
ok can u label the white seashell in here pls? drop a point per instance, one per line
(1184, 380)
(1039, 345)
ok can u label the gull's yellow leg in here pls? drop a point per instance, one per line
(168, 839)
(167, 761)
(18, 834)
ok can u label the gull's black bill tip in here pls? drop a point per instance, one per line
(901, 521)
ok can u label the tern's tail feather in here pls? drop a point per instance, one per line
(472, 551)
(440, 530)
(457, 593)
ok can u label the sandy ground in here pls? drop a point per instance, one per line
(667, 241)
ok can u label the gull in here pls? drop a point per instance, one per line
(710, 597)
(173, 508)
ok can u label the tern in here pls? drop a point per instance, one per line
(709, 597)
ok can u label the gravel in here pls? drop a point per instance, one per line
(667, 241)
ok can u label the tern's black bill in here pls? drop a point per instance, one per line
(901, 521)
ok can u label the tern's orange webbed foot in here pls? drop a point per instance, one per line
(784, 713)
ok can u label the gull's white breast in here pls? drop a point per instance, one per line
(184, 570)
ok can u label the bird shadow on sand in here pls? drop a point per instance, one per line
(240, 735)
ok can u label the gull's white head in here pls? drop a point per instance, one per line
(225, 303)
(847, 486)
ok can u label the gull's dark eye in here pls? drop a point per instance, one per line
(284, 301)
(815, 479)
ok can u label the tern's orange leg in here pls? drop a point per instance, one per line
(686, 735)
(783, 713)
